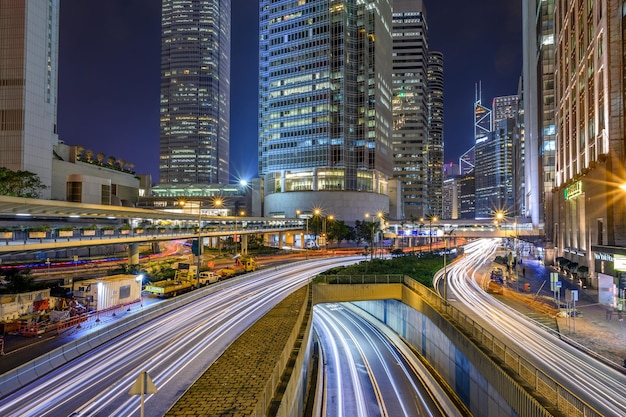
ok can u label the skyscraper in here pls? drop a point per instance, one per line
(435, 132)
(29, 32)
(195, 92)
(410, 106)
(325, 106)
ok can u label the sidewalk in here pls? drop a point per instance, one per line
(593, 329)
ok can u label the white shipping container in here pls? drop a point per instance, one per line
(107, 292)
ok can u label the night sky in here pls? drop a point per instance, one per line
(110, 62)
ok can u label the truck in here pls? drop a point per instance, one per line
(184, 280)
(169, 287)
(242, 265)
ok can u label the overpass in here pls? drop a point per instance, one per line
(25, 226)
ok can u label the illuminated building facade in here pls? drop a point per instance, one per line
(325, 106)
(589, 211)
(410, 106)
(435, 131)
(195, 92)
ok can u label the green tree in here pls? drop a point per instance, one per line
(20, 184)
(366, 231)
(338, 231)
(19, 280)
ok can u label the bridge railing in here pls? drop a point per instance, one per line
(360, 279)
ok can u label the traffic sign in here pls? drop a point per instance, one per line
(143, 385)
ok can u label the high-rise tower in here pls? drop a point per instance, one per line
(325, 106)
(195, 92)
(435, 132)
(29, 32)
(410, 106)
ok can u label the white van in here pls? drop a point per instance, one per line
(208, 277)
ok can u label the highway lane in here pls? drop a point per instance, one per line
(174, 349)
(597, 384)
(366, 374)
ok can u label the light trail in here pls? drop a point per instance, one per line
(389, 381)
(599, 385)
(175, 349)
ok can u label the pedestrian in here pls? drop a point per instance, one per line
(609, 314)
(524, 272)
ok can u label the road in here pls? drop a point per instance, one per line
(598, 385)
(366, 374)
(175, 350)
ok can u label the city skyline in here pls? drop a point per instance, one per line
(118, 42)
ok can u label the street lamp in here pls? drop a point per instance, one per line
(431, 219)
(445, 264)
(371, 226)
(331, 218)
(217, 203)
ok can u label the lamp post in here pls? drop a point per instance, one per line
(331, 218)
(445, 265)
(216, 204)
(431, 219)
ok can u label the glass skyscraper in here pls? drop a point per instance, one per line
(325, 106)
(195, 92)
(410, 87)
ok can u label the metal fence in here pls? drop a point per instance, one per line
(360, 279)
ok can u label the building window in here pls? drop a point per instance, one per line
(74, 192)
(105, 195)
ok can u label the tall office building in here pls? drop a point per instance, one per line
(325, 107)
(410, 106)
(195, 92)
(482, 116)
(494, 171)
(435, 131)
(29, 31)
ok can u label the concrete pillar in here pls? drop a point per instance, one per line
(133, 254)
(301, 240)
(290, 238)
(281, 238)
(282, 181)
(244, 244)
(266, 239)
